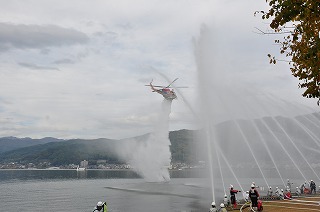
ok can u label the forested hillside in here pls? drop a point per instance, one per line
(74, 151)
(11, 143)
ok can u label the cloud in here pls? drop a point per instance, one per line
(64, 61)
(37, 67)
(23, 36)
(104, 51)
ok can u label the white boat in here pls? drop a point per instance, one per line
(80, 168)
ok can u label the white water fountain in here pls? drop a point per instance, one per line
(250, 135)
(150, 155)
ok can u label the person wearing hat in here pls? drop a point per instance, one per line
(226, 201)
(312, 187)
(289, 184)
(233, 193)
(222, 208)
(246, 196)
(213, 207)
(298, 191)
(270, 192)
(101, 206)
(254, 195)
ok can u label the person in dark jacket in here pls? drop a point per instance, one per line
(254, 195)
(233, 199)
(312, 187)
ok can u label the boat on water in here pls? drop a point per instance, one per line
(80, 168)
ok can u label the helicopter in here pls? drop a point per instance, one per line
(166, 91)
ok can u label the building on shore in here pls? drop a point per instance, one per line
(84, 164)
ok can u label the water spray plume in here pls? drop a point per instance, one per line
(251, 151)
(264, 142)
(150, 155)
(295, 146)
(242, 124)
(209, 148)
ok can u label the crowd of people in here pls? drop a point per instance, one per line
(308, 188)
(252, 195)
(304, 188)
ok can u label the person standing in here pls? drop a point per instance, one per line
(298, 191)
(302, 187)
(226, 200)
(312, 187)
(306, 187)
(233, 199)
(289, 184)
(246, 197)
(254, 195)
(270, 192)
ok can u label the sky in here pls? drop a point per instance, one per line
(77, 68)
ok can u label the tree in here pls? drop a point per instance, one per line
(299, 21)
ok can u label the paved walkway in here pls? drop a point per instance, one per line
(310, 203)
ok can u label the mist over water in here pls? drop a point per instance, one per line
(248, 132)
(150, 155)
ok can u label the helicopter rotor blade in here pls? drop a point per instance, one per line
(172, 82)
(156, 86)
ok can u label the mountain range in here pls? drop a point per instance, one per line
(59, 152)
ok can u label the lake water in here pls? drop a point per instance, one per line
(123, 190)
(69, 190)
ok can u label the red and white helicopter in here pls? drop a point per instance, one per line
(166, 91)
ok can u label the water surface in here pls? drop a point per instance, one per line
(69, 190)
